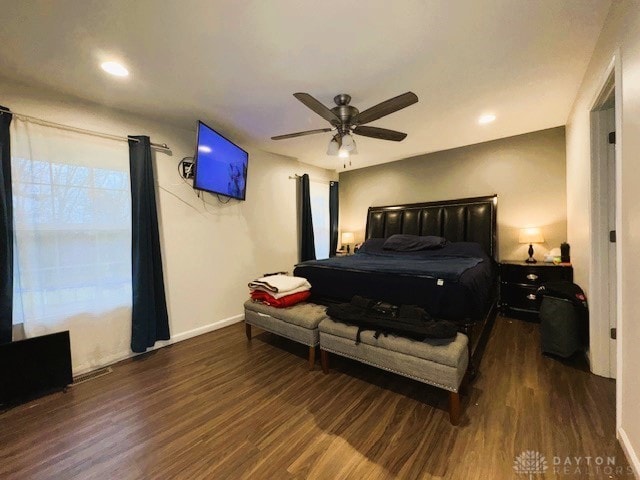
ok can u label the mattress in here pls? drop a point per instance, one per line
(455, 282)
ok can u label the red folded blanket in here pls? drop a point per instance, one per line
(286, 301)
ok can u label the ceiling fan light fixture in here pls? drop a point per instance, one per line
(354, 151)
(348, 143)
(333, 147)
(347, 147)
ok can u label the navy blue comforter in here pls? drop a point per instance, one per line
(452, 282)
(446, 263)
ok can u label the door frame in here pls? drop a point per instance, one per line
(599, 329)
(600, 345)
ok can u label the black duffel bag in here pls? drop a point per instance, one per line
(383, 318)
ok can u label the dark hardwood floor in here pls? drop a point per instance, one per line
(218, 407)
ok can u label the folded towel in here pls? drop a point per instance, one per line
(304, 288)
(279, 283)
(283, 302)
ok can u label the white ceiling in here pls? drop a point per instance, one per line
(235, 64)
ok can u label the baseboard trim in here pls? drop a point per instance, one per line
(225, 322)
(628, 450)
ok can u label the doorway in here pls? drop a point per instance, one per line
(604, 208)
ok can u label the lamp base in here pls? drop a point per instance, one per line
(348, 248)
(530, 252)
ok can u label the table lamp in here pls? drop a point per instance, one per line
(531, 236)
(347, 238)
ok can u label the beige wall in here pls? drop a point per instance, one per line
(620, 38)
(526, 171)
(210, 250)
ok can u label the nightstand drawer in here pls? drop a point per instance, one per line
(519, 296)
(534, 275)
(519, 282)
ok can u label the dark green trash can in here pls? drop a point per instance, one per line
(564, 319)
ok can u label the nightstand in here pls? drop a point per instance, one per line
(519, 282)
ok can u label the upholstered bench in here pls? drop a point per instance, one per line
(298, 323)
(436, 362)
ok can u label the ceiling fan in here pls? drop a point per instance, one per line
(346, 120)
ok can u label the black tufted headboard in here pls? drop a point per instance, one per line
(462, 220)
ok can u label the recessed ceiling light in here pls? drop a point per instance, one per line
(488, 118)
(115, 68)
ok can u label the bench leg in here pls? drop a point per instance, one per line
(454, 408)
(324, 360)
(464, 386)
(472, 371)
(467, 329)
(247, 330)
(312, 357)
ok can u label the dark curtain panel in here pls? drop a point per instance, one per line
(6, 231)
(150, 320)
(307, 247)
(333, 218)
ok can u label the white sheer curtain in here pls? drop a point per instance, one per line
(72, 216)
(319, 193)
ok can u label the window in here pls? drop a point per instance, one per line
(72, 229)
(319, 193)
(72, 219)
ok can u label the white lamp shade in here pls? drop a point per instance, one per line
(348, 143)
(531, 235)
(333, 147)
(347, 238)
(354, 151)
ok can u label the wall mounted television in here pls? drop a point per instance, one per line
(220, 165)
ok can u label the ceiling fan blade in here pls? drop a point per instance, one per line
(385, 108)
(381, 133)
(318, 107)
(299, 134)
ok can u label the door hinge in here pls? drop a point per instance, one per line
(614, 333)
(612, 138)
(612, 236)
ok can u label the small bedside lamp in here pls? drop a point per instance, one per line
(347, 238)
(531, 236)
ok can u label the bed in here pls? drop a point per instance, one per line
(457, 282)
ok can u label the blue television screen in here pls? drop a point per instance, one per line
(220, 165)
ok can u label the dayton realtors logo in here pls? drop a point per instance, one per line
(530, 463)
(596, 466)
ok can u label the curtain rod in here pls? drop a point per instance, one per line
(312, 179)
(160, 146)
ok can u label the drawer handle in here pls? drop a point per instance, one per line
(532, 276)
(531, 296)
